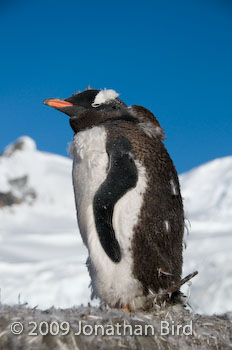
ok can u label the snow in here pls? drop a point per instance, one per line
(207, 193)
(42, 257)
(104, 96)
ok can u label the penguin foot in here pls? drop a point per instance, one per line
(126, 308)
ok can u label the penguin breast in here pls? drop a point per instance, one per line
(112, 281)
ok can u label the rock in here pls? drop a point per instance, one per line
(102, 328)
(24, 143)
(8, 199)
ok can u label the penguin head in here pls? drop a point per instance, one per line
(90, 107)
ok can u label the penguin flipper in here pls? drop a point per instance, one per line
(122, 176)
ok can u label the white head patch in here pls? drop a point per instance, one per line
(104, 96)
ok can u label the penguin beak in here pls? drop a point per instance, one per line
(57, 103)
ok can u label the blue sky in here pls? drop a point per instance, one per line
(173, 57)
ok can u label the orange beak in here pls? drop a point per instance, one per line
(57, 103)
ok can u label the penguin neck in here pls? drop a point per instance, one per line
(85, 121)
(89, 121)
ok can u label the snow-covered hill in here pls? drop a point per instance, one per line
(207, 193)
(42, 257)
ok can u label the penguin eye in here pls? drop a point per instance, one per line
(95, 105)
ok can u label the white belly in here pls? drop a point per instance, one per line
(112, 282)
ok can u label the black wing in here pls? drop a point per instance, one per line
(122, 176)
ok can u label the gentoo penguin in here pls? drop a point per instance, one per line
(127, 194)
